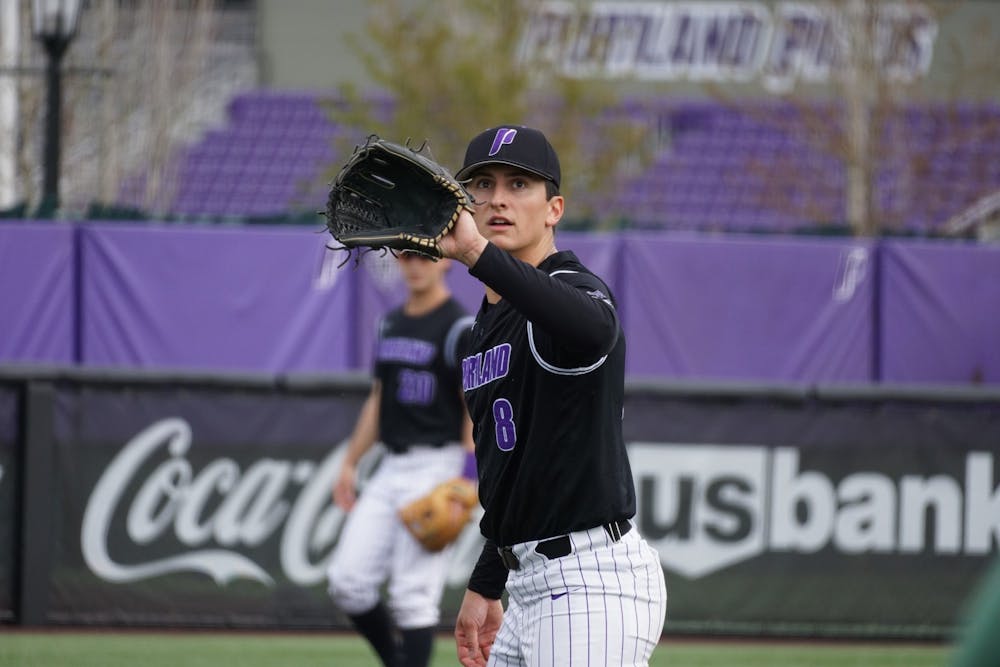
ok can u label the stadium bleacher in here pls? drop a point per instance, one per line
(267, 161)
(757, 167)
(765, 167)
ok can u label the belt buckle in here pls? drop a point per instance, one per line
(509, 559)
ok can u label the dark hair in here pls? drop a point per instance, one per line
(551, 189)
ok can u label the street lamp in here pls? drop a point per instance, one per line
(54, 24)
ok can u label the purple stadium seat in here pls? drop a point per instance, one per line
(758, 166)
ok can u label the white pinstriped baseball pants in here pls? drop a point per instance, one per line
(375, 546)
(603, 604)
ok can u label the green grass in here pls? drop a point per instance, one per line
(725, 653)
(211, 649)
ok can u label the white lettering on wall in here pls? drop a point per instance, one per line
(721, 41)
(220, 515)
(704, 506)
(709, 506)
(143, 525)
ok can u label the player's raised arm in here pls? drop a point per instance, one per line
(572, 306)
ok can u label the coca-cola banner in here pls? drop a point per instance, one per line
(37, 306)
(199, 506)
(772, 512)
(9, 506)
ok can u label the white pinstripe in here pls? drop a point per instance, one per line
(601, 620)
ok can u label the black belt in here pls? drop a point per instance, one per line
(403, 449)
(557, 547)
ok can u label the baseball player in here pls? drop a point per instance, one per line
(544, 384)
(415, 409)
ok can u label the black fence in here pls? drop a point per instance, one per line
(196, 500)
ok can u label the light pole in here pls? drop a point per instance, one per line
(54, 24)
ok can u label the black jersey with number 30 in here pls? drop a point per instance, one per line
(416, 362)
(544, 384)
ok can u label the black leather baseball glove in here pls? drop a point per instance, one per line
(392, 196)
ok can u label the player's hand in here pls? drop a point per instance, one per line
(476, 627)
(344, 490)
(463, 243)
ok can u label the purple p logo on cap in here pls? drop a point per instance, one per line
(526, 148)
(505, 135)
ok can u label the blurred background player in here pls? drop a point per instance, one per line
(415, 408)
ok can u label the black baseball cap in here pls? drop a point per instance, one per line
(516, 145)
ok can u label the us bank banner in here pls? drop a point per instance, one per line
(817, 515)
(211, 506)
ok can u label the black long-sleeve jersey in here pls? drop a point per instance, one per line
(544, 384)
(416, 359)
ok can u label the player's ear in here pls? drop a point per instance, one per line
(555, 213)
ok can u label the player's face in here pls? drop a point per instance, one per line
(514, 212)
(421, 273)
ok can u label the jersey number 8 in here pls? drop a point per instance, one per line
(503, 415)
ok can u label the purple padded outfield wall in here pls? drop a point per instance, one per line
(748, 309)
(272, 299)
(37, 300)
(940, 312)
(235, 299)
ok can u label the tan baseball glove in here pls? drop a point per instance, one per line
(437, 518)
